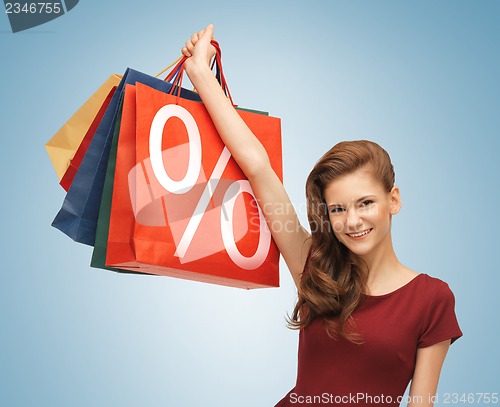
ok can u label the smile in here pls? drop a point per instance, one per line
(359, 234)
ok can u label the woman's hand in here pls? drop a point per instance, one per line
(199, 50)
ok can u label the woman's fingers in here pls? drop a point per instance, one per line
(199, 45)
(191, 43)
(190, 46)
(194, 38)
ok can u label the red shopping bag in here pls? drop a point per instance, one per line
(74, 163)
(181, 206)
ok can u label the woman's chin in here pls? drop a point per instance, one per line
(360, 251)
(358, 248)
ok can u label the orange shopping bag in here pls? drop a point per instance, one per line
(181, 206)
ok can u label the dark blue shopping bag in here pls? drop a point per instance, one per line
(80, 210)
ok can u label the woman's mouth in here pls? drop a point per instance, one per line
(359, 235)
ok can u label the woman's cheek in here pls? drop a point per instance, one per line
(337, 226)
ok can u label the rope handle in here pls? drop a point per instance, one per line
(177, 72)
(168, 67)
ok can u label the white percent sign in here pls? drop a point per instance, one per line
(188, 182)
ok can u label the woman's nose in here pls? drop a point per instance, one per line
(353, 219)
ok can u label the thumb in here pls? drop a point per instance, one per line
(209, 31)
(205, 35)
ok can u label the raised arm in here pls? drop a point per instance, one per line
(291, 238)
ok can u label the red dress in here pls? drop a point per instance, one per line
(377, 372)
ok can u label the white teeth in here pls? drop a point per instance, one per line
(359, 234)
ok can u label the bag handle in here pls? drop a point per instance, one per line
(176, 74)
(168, 67)
(220, 73)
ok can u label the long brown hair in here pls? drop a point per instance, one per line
(332, 283)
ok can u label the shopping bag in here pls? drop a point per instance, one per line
(75, 162)
(62, 146)
(124, 122)
(181, 206)
(99, 251)
(78, 215)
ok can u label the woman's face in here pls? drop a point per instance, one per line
(360, 211)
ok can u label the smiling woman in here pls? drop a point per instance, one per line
(367, 322)
(368, 325)
(353, 247)
(365, 204)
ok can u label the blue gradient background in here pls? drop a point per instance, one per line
(420, 77)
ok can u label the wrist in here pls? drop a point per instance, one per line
(197, 71)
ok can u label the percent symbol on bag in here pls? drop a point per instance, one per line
(189, 181)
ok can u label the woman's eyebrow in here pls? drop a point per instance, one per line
(365, 197)
(357, 200)
(334, 204)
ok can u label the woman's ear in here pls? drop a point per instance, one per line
(395, 200)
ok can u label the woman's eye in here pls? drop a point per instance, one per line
(336, 209)
(368, 202)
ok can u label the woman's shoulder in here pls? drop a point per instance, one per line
(434, 288)
(439, 322)
(432, 281)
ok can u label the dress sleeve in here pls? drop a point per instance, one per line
(440, 322)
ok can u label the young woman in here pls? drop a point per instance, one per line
(368, 325)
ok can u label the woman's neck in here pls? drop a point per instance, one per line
(381, 264)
